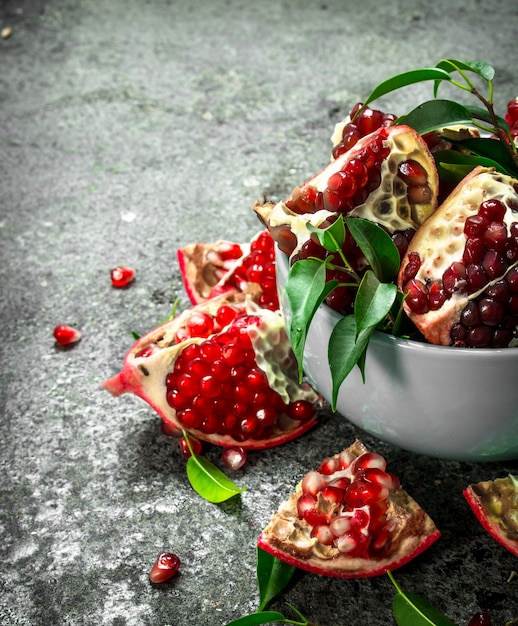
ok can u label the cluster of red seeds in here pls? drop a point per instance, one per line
(258, 267)
(512, 118)
(216, 386)
(490, 319)
(345, 502)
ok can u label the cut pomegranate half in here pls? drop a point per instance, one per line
(495, 505)
(349, 519)
(224, 371)
(460, 270)
(210, 269)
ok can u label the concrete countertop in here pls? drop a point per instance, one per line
(129, 129)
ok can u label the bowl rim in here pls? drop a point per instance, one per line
(511, 354)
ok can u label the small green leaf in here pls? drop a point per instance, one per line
(491, 149)
(209, 481)
(263, 617)
(377, 246)
(272, 576)
(373, 302)
(483, 114)
(332, 237)
(345, 350)
(406, 78)
(436, 115)
(483, 69)
(306, 289)
(135, 335)
(412, 610)
(453, 165)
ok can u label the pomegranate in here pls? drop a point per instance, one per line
(66, 335)
(209, 269)
(164, 568)
(495, 505)
(460, 270)
(122, 276)
(349, 519)
(223, 371)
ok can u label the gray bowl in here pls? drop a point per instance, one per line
(451, 403)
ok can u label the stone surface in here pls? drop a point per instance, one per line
(130, 128)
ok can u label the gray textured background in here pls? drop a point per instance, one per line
(128, 129)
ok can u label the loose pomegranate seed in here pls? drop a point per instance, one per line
(234, 458)
(66, 335)
(164, 568)
(480, 619)
(122, 276)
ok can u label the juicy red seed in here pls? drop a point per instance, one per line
(491, 312)
(454, 278)
(436, 296)
(313, 482)
(164, 568)
(66, 335)
(342, 183)
(495, 236)
(220, 369)
(502, 338)
(412, 266)
(190, 418)
(122, 276)
(494, 264)
(200, 324)
(475, 226)
(177, 400)
(197, 368)
(234, 458)
(492, 210)
(511, 279)
(350, 137)
(323, 534)
(210, 387)
(359, 171)
(419, 194)
(498, 291)
(416, 298)
(340, 525)
(196, 446)
(412, 173)
(369, 120)
(369, 459)
(479, 337)
(480, 618)
(209, 350)
(225, 315)
(300, 410)
(470, 316)
(229, 250)
(474, 250)
(361, 493)
(476, 277)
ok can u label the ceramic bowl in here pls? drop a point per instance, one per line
(451, 403)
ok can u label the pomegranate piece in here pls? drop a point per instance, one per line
(235, 385)
(122, 276)
(66, 335)
(211, 269)
(495, 505)
(349, 519)
(164, 568)
(460, 269)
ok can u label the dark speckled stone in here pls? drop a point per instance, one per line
(130, 129)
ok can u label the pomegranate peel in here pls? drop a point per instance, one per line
(456, 255)
(247, 395)
(374, 529)
(495, 505)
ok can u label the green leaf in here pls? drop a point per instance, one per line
(436, 115)
(209, 481)
(332, 237)
(264, 617)
(377, 246)
(453, 166)
(483, 69)
(491, 149)
(412, 610)
(406, 78)
(483, 114)
(272, 576)
(345, 350)
(306, 289)
(373, 302)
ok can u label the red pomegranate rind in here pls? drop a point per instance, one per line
(250, 396)
(399, 532)
(495, 505)
(461, 256)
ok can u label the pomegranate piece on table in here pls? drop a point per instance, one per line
(349, 519)
(495, 505)
(66, 335)
(460, 270)
(210, 269)
(223, 371)
(164, 568)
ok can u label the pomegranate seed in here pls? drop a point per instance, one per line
(340, 525)
(66, 335)
(480, 618)
(475, 226)
(323, 534)
(369, 120)
(412, 173)
(454, 278)
(196, 446)
(491, 312)
(200, 324)
(313, 482)
(234, 458)
(419, 194)
(492, 210)
(416, 297)
(412, 266)
(164, 568)
(122, 276)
